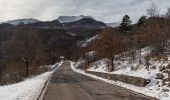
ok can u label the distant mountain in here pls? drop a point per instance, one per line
(68, 19)
(56, 34)
(82, 23)
(85, 23)
(24, 21)
(116, 24)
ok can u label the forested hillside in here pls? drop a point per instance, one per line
(25, 47)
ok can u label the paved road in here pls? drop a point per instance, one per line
(68, 85)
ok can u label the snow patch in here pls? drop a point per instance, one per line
(90, 40)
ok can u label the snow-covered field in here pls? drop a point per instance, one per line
(131, 68)
(26, 90)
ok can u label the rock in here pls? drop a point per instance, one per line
(168, 66)
(163, 82)
(166, 71)
(153, 67)
(162, 68)
(165, 90)
(157, 89)
(163, 94)
(159, 76)
(135, 68)
(168, 84)
(167, 79)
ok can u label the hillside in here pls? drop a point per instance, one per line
(141, 53)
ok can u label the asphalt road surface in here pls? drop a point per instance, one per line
(68, 85)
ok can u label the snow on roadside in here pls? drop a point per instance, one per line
(52, 67)
(26, 90)
(152, 92)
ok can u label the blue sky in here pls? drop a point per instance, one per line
(104, 10)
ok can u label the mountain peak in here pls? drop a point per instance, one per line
(68, 19)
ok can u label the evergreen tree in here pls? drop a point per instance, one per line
(142, 20)
(125, 25)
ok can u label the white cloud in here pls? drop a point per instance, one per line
(105, 10)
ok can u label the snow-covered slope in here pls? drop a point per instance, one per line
(25, 21)
(159, 85)
(67, 19)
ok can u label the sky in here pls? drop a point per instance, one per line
(103, 10)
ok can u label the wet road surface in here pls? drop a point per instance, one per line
(68, 85)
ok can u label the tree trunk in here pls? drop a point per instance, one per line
(88, 62)
(140, 57)
(112, 64)
(50, 56)
(27, 68)
(133, 56)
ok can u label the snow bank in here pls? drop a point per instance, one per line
(26, 90)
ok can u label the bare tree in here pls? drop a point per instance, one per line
(1, 82)
(108, 45)
(22, 47)
(153, 10)
(168, 13)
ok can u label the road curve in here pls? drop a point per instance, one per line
(68, 85)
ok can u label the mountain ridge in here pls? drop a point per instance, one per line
(61, 21)
(68, 19)
(24, 21)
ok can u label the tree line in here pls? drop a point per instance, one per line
(27, 50)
